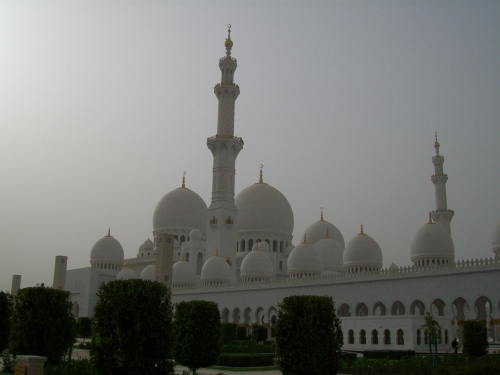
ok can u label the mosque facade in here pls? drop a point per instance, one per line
(239, 253)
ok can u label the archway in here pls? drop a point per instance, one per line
(259, 316)
(344, 310)
(379, 309)
(361, 310)
(437, 307)
(398, 308)
(482, 306)
(417, 307)
(246, 315)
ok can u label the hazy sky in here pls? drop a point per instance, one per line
(104, 104)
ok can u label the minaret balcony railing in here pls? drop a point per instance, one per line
(226, 84)
(224, 136)
(448, 210)
(439, 175)
(228, 58)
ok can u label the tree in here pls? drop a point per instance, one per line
(432, 329)
(132, 328)
(84, 327)
(475, 338)
(308, 336)
(42, 323)
(197, 340)
(5, 312)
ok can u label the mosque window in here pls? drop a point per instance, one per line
(275, 246)
(400, 340)
(350, 336)
(362, 337)
(375, 337)
(387, 337)
(282, 245)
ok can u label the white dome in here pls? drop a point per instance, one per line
(495, 240)
(182, 208)
(332, 254)
(148, 273)
(215, 270)
(432, 242)
(183, 274)
(126, 274)
(148, 245)
(257, 264)
(107, 249)
(263, 246)
(362, 251)
(262, 208)
(304, 258)
(317, 231)
(195, 234)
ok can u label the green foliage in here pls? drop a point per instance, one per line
(431, 327)
(388, 354)
(227, 332)
(80, 366)
(461, 365)
(5, 312)
(241, 333)
(132, 326)
(42, 323)
(259, 333)
(197, 341)
(248, 347)
(242, 360)
(475, 338)
(84, 327)
(8, 362)
(308, 336)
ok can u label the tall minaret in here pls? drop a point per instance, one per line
(222, 213)
(442, 215)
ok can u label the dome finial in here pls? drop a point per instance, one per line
(184, 179)
(362, 230)
(109, 232)
(321, 214)
(305, 239)
(261, 181)
(229, 42)
(436, 143)
(430, 218)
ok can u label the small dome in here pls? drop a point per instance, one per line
(257, 265)
(393, 267)
(332, 254)
(183, 274)
(148, 273)
(107, 249)
(148, 244)
(263, 246)
(317, 231)
(262, 208)
(126, 274)
(181, 208)
(432, 242)
(215, 271)
(362, 251)
(195, 234)
(305, 259)
(495, 240)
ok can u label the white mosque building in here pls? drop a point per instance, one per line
(238, 252)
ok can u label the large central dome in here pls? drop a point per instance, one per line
(263, 208)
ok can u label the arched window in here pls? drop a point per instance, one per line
(362, 337)
(375, 337)
(344, 310)
(400, 340)
(387, 337)
(275, 246)
(419, 337)
(282, 247)
(350, 336)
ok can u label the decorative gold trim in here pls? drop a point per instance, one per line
(261, 181)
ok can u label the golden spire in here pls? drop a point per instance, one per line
(436, 143)
(321, 214)
(229, 42)
(362, 230)
(327, 233)
(261, 181)
(109, 232)
(430, 218)
(183, 179)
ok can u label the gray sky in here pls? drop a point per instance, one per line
(103, 105)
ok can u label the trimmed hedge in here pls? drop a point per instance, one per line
(248, 360)
(259, 333)
(388, 354)
(241, 333)
(227, 332)
(348, 356)
(475, 338)
(248, 347)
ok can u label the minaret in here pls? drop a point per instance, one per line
(442, 215)
(222, 213)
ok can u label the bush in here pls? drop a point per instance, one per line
(8, 362)
(259, 333)
(475, 338)
(132, 327)
(248, 347)
(5, 312)
(197, 341)
(227, 332)
(349, 356)
(308, 336)
(406, 366)
(42, 323)
(241, 333)
(388, 354)
(84, 327)
(241, 360)
(80, 366)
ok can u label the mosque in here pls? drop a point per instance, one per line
(239, 253)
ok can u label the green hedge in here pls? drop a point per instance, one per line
(388, 354)
(248, 347)
(475, 338)
(349, 356)
(242, 360)
(227, 332)
(259, 333)
(241, 333)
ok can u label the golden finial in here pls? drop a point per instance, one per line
(362, 230)
(109, 232)
(436, 143)
(321, 214)
(305, 239)
(430, 218)
(327, 233)
(183, 179)
(261, 181)
(229, 42)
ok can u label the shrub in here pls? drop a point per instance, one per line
(259, 333)
(132, 327)
(475, 338)
(227, 332)
(8, 362)
(349, 356)
(5, 312)
(241, 333)
(388, 354)
(197, 340)
(248, 347)
(308, 336)
(80, 366)
(42, 323)
(84, 327)
(241, 360)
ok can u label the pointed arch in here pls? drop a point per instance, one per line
(417, 306)
(379, 309)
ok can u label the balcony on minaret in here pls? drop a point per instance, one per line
(213, 222)
(229, 222)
